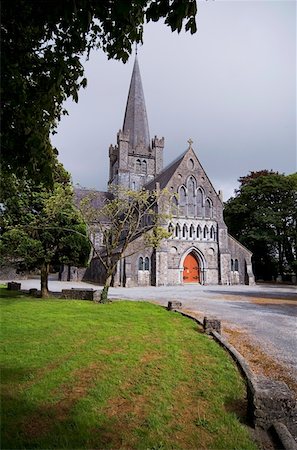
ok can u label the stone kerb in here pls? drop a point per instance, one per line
(271, 404)
(81, 294)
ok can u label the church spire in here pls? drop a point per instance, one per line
(135, 120)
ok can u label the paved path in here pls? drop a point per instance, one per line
(267, 313)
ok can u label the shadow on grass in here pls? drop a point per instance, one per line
(54, 425)
(239, 408)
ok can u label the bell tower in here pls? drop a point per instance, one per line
(135, 160)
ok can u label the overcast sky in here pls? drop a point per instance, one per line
(231, 87)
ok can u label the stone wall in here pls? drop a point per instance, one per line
(244, 274)
(81, 294)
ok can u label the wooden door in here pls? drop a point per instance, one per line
(191, 273)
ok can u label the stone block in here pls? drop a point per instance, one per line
(211, 324)
(13, 286)
(33, 292)
(269, 401)
(174, 305)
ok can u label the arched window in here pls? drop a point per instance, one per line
(198, 232)
(212, 233)
(192, 231)
(182, 200)
(205, 232)
(133, 186)
(174, 205)
(232, 265)
(140, 263)
(144, 166)
(138, 166)
(146, 263)
(170, 228)
(236, 265)
(185, 231)
(208, 208)
(199, 201)
(182, 196)
(191, 184)
(177, 231)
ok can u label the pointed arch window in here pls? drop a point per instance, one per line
(199, 232)
(146, 263)
(185, 231)
(208, 208)
(174, 205)
(177, 231)
(182, 200)
(140, 263)
(144, 166)
(232, 265)
(199, 201)
(170, 228)
(192, 231)
(212, 232)
(138, 166)
(205, 232)
(191, 184)
(236, 265)
(182, 196)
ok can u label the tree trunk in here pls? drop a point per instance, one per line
(104, 292)
(44, 280)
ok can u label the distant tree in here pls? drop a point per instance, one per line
(263, 216)
(125, 224)
(41, 228)
(42, 43)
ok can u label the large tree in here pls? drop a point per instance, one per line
(263, 216)
(125, 224)
(40, 228)
(42, 45)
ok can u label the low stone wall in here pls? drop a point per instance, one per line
(81, 294)
(13, 286)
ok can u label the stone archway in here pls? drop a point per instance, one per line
(191, 269)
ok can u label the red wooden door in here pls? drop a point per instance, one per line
(191, 270)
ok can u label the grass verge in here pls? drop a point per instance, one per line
(125, 375)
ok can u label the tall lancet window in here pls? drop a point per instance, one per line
(208, 208)
(182, 201)
(144, 166)
(199, 200)
(191, 196)
(138, 166)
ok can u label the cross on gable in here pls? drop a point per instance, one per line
(190, 143)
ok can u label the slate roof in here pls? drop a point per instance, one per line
(100, 198)
(135, 120)
(166, 174)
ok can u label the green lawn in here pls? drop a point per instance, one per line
(127, 375)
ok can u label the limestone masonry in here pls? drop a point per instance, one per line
(200, 249)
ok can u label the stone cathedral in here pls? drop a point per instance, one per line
(200, 250)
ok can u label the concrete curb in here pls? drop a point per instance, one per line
(277, 430)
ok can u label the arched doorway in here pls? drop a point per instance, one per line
(191, 269)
